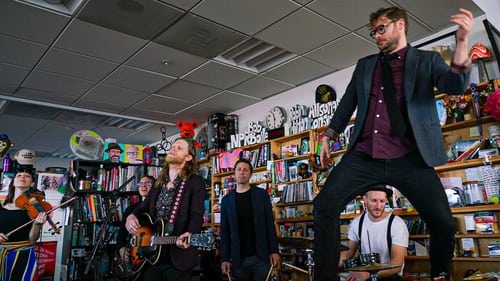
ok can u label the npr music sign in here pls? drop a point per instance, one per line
(256, 133)
(302, 118)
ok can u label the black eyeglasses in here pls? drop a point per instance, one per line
(380, 29)
(147, 183)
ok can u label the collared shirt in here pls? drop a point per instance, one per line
(376, 139)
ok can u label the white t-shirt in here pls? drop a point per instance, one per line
(377, 233)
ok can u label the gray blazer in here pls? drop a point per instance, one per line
(423, 71)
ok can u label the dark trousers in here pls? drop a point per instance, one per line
(165, 271)
(354, 175)
(252, 269)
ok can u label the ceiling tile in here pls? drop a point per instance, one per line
(105, 44)
(30, 23)
(301, 32)
(85, 119)
(248, 17)
(165, 60)
(144, 19)
(137, 79)
(52, 82)
(10, 125)
(117, 95)
(20, 52)
(438, 16)
(75, 65)
(148, 114)
(343, 13)
(302, 2)
(299, 71)
(200, 37)
(228, 101)
(330, 55)
(27, 110)
(163, 104)
(199, 113)
(183, 4)
(261, 87)
(45, 96)
(145, 136)
(57, 132)
(218, 75)
(12, 77)
(99, 105)
(187, 91)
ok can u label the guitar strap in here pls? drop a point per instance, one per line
(174, 208)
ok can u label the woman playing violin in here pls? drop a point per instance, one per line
(18, 264)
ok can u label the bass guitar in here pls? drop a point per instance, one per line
(146, 246)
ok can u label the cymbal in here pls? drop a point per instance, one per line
(372, 267)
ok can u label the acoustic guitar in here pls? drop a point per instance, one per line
(146, 247)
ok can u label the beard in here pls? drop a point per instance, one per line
(389, 45)
(171, 159)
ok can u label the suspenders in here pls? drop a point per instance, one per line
(389, 238)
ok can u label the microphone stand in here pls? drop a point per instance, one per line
(102, 235)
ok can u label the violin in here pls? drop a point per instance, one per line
(33, 202)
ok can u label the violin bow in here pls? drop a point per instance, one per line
(48, 212)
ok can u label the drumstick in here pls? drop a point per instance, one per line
(369, 244)
(270, 268)
(295, 267)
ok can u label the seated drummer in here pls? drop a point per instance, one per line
(375, 223)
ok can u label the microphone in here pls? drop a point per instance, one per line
(117, 191)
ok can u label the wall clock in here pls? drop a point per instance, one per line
(275, 118)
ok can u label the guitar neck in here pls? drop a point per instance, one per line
(165, 240)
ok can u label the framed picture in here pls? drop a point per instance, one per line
(304, 145)
(49, 182)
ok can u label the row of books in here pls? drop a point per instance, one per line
(258, 157)
(95, 207)
(111, 179)
(224, 162)
(416, 226)
(296, 192)
(288, 170)
(88, 234)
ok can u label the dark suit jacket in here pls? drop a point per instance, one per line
(189, 218)
(423, 71)
(265, 232)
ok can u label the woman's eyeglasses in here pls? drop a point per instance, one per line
(380, 29)
(147, 183)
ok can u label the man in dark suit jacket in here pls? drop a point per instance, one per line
(248, 235)
(177, 199)
(397, 136)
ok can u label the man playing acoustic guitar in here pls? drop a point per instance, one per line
(176, 204)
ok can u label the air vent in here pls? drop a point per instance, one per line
(118, 122)
(67, 7)
(255, 55)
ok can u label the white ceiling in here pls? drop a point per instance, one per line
(72, 66)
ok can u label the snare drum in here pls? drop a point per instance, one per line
(366, 259)
(350, 263)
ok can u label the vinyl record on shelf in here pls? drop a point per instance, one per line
(325, 94)
(87, 145)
